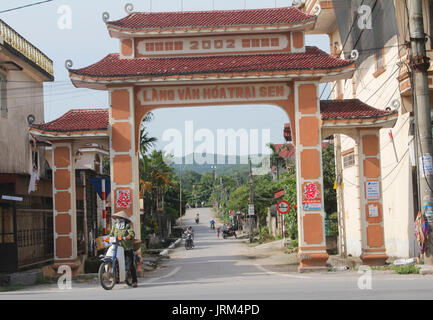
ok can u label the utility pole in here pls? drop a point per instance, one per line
(342, 248)
(180, 198)
(419, 64)
(251, 200)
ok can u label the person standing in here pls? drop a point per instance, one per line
(218, 232)
(122, 228)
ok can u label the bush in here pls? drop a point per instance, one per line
(293, 244)
(264, 234)
(410, 268)
(91, 265)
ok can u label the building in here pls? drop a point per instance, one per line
(380, 80)
(26, 220)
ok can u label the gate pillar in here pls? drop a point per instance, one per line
(64, 205)
(373, 245)
(123, 157)
(312, 253)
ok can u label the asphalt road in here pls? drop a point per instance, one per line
(222, 269)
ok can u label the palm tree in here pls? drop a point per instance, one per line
(145, 141)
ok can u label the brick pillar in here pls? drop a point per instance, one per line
(373, 244)
(123, 157)
(312, 253)
(64, 204)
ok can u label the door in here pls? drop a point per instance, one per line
(8, 238)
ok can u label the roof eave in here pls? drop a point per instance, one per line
(101, 83)
(121, 33)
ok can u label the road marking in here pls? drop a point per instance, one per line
(172, 273)
(281, 274)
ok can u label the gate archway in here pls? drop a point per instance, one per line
(211, 58)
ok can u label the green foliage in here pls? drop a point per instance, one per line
(332, 224)
(293, 244)
(407, 269)
(330, 194)
(264, 235)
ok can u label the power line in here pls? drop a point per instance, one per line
(26, 6)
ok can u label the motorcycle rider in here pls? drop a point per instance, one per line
(212, 223)
(197, 218)
(122, 228)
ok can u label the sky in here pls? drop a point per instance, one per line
(87, 41)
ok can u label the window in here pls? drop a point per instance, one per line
(3, 100)
(379, 62)
(349, 160)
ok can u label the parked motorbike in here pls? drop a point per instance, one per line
(114, 267)
(229, 233)
(189, 243)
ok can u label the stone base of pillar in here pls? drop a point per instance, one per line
(73, 264)
(374, 259)
(312, 261)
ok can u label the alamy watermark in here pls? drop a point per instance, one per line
(202, 146)
(365, 281)
(65, 280)
(65, 19)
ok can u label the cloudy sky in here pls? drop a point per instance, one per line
(87, 41)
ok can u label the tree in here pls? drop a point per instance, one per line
(145, 141)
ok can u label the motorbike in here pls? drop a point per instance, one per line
(212, 226)
(189, 243)
(229, 233)
(196, 220)
(114, 267)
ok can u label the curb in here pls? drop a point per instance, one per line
(173, 245)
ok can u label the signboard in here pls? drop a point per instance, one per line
(373, 210)
(123, 199)
(425, 165)
(209, 94)
(283, 207)
(207, 45)
(251, 209)
(372, 190)
(311, 196)
(11, 198)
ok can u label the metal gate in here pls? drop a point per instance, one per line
(8, 239)
(35, 236)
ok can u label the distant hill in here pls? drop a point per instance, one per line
(231, 164)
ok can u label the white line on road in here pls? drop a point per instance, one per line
(281, 274)
(176, 270)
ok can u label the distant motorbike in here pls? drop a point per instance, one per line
(114, 267)
(196, 220)
(189, 243)
(212, 226)
(229, 233)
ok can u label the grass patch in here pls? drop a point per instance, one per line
(11, 288)
(407, 269)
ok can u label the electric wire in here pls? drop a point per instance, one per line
(26, 6)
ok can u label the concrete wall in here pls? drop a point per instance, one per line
(24, 97)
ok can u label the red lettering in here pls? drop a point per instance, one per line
(171, 95)
(280, 91)
(188, 94)
(271, 91)
(239, 93)
(194, 45)
(196, 94)
(215, 93)
(262, 92)
(223, 93)
(145, 98)
(231, 90)
(206, 93)
(206, 44)
(154, 95)
(230, 43)
(218, 44)
(181, 94)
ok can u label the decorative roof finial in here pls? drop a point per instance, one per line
(317, 9)
(129, 8)
(105, 17)
(354, 54)
(68, 64)
(297, 3)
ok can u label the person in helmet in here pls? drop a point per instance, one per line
(122, 227)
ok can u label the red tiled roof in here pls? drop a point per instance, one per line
(349, 109)
(160, 20)
(97, 119)
(77, 120)
(284, 153)
(113, 66)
